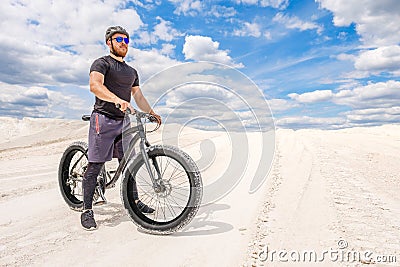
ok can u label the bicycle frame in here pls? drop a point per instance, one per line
(138, 134)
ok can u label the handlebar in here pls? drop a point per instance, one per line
(138, 113)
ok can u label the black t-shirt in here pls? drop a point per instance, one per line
(119, 78)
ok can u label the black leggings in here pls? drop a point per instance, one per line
(89, 184)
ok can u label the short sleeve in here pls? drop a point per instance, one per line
(136, 80)
(100, 65)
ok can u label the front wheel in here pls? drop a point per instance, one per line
(175, 200)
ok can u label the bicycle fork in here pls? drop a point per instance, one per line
(156, 178)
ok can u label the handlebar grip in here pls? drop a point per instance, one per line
(152, 118)
(128, 111)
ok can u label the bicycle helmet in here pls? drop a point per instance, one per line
(113, 30)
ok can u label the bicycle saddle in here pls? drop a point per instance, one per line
(86, 117)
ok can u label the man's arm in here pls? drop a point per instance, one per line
(140, 99)
(96, 82)
(142, 103)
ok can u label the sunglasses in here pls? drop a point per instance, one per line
(119, 39)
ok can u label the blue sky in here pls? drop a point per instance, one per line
(323, 63)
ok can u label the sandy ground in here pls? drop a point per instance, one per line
(333, 191)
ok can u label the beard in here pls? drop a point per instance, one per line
(120, 51)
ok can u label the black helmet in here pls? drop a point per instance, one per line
(113, 30)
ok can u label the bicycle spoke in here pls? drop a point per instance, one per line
(173, 173)
(168, 162)
(181, 195)
(171, 208)
(143, 179)
(173, 199)
(177, 185)
(183, 175)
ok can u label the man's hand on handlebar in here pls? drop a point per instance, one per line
(155, 117)
(123, 105)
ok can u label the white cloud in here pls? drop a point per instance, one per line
(376, 111)
(64, 22)
(267, 35)
(382, 59)
(36, 101)
(23, 63)
(55, 44)
(344, 57)
(356, 74)
(374, 61)
(247, 2)
(159, 61)
(146, 37)
(374, 95)
(147, 4)
(203, 48)
(168, 49)
(279, 105)
(187, 7)
(312, 97)
(279, 4)
(51, 42)
(373, 116)
(298, 122)
(293, 22)
(163, 31)
(378, 22)
(222, 11)
(200, 8)
(372, 104)
(353, 118)
(215, 103)
(196, 91)
(248, 29)
(217, 91)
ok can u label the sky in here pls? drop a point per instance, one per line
(325, 64)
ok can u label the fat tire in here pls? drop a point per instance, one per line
(63, 175)
(144, 223)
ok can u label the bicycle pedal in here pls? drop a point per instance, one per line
(102, 198)
(100, 202)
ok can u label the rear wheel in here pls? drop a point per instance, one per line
(176, 200)
(72, 167)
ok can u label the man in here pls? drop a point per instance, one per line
(113, 82)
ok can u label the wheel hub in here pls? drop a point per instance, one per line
(163, 189)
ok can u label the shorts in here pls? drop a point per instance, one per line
(103, 142)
